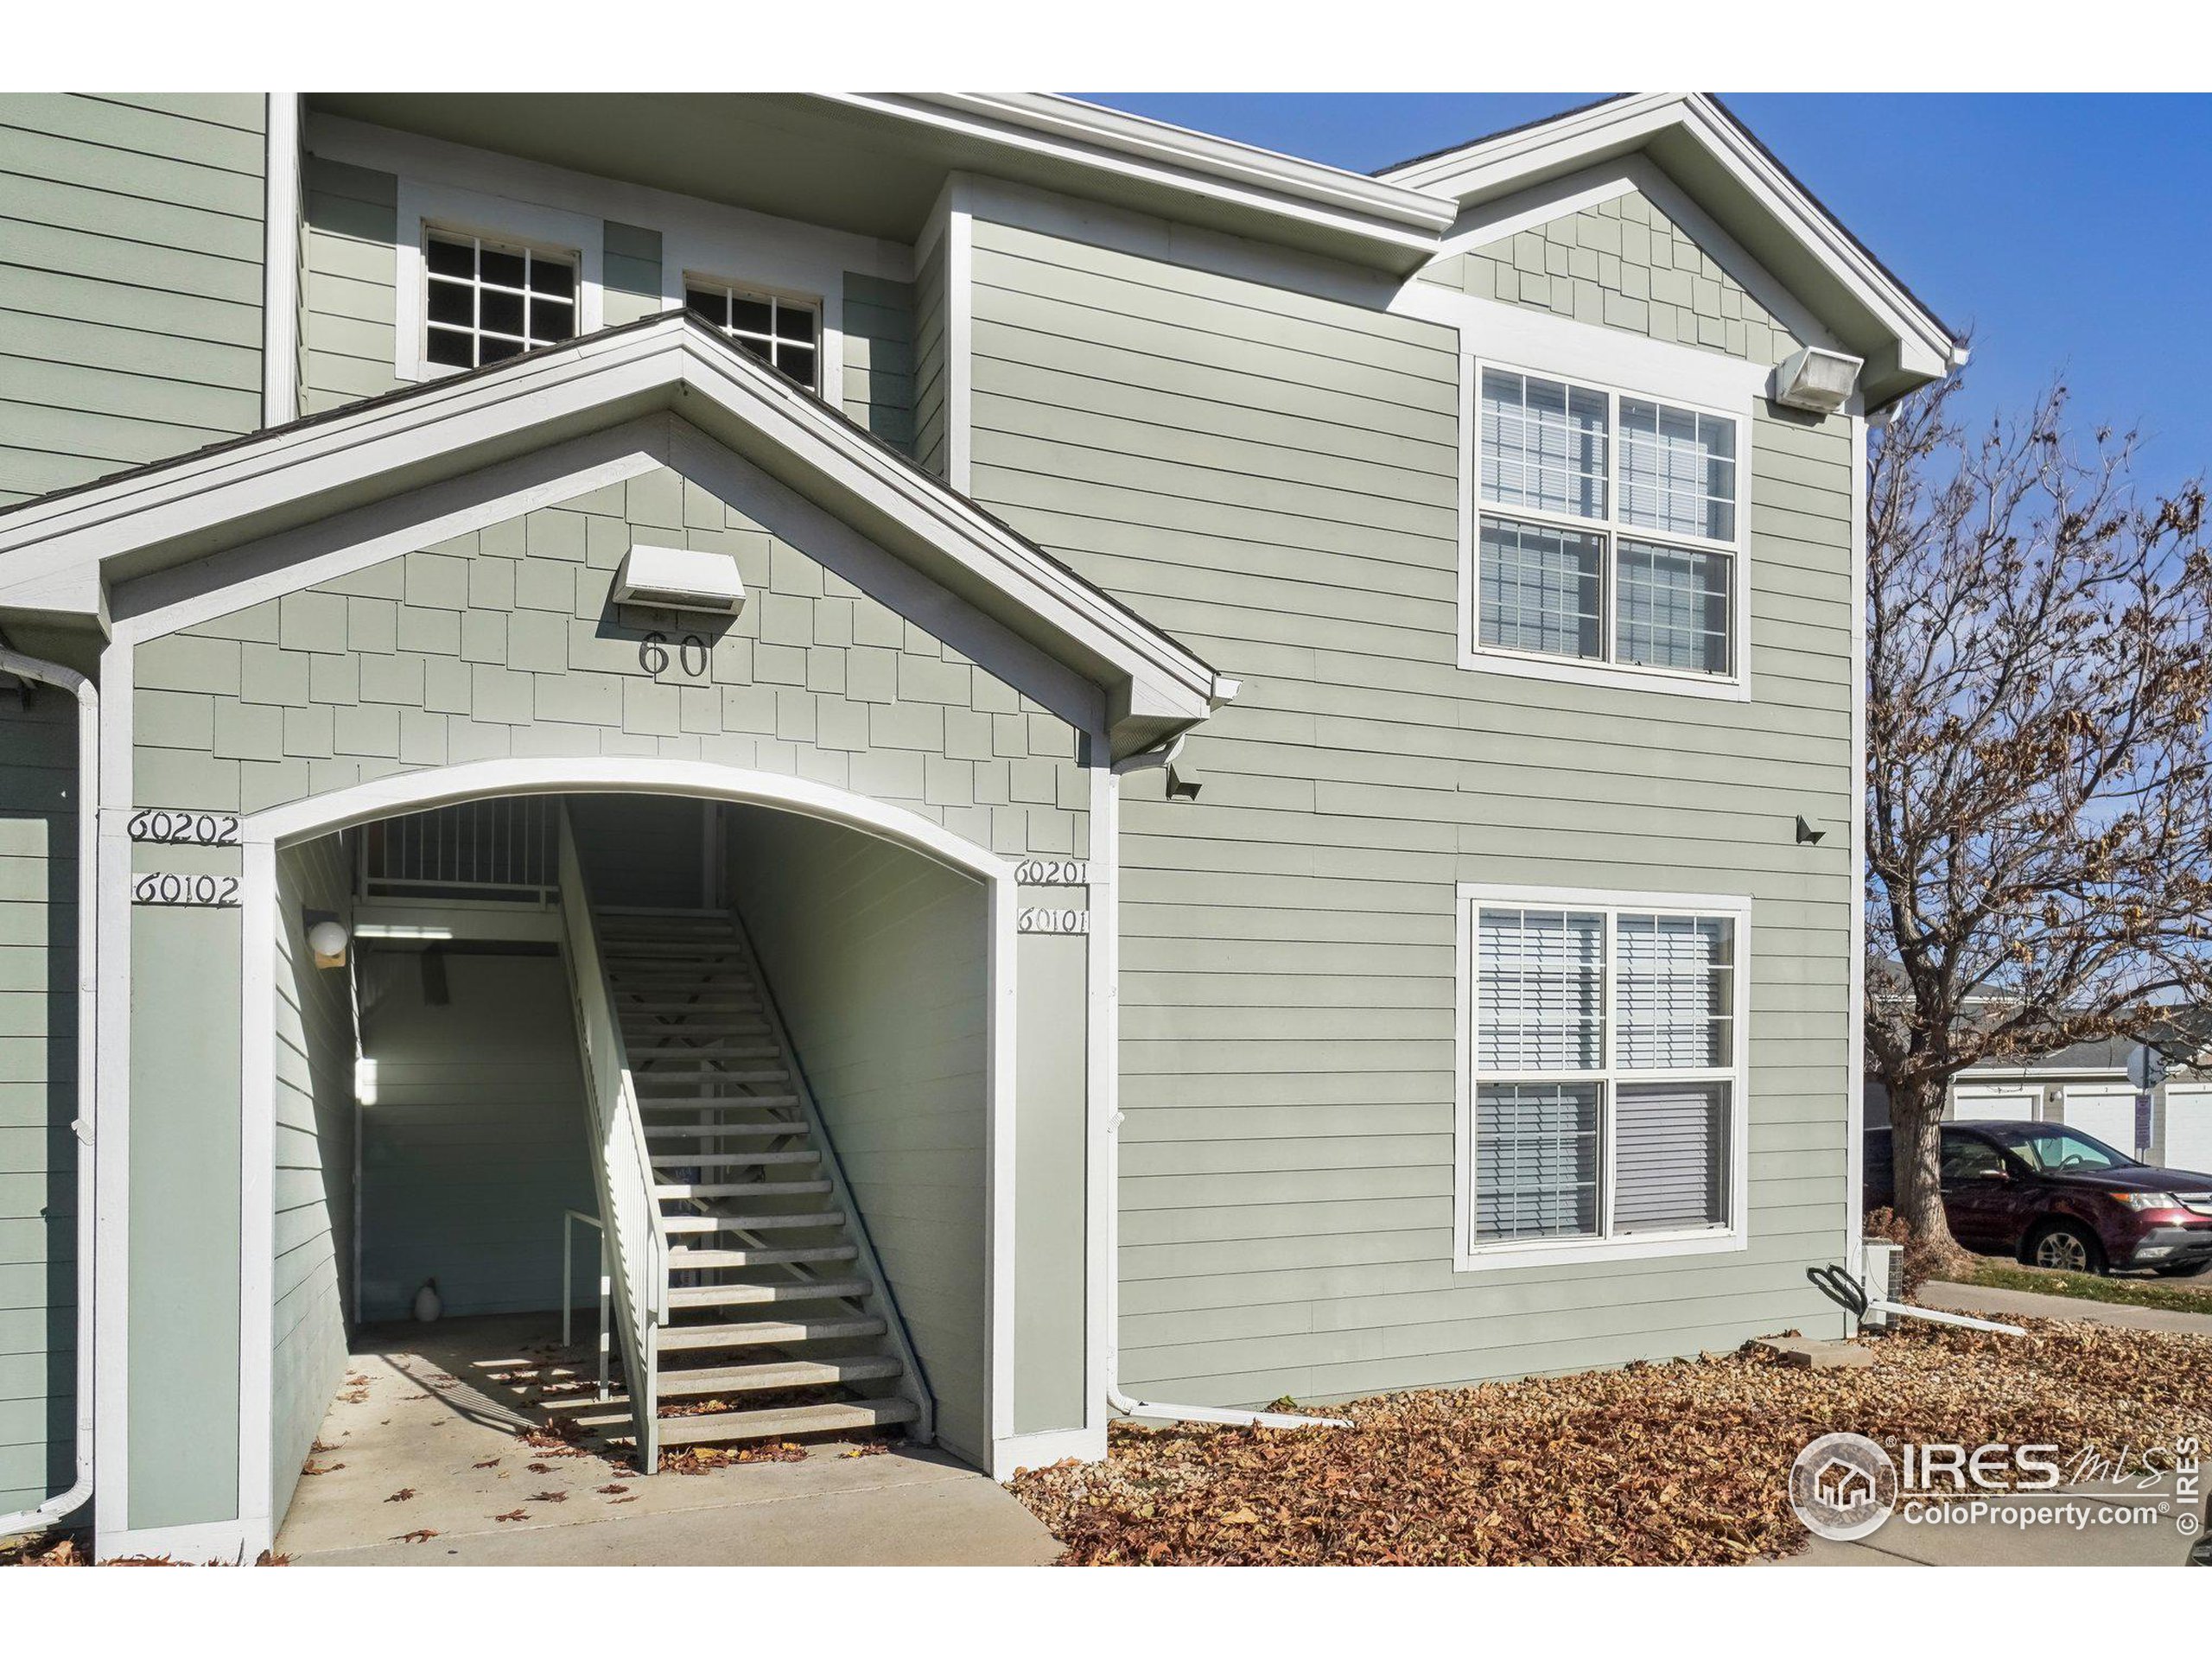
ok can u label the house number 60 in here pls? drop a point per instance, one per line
(691, 656)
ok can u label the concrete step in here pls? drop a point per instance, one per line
(753, 1333)
(742, 1189)
(718, 1131)
(778, 1422)
(812, 1290)
(773, 1373)
(683, 1261)
(717, 1160)
(752, 1223)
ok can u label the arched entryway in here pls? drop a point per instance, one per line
(813, 880)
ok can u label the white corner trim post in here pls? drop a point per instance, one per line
(1855, 1106)
(280, 273)
(1105, 841)
(86, 1127)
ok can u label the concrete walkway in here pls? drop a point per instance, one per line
(1996, 1304)
(423, 1461)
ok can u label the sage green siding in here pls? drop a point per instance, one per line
(130, 281)
(631, 271)
(1270, 476)
(504, 643)
(477, 1140)
(879, 325)
(932, 385)
(874, 955)
(1622, 264)
(348, 300)
(312, 1190)
(499, 644)
(38, 1095)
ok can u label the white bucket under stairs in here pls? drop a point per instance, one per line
(751, 1289)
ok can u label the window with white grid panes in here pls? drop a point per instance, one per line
(1608, 527)
(784, 333)
(487, 301)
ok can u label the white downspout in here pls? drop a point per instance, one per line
(1110, 1137)
(88, 750)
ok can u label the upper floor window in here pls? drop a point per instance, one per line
(487, 301)
(1606, 1075)
(783, 333)
(1608, 527)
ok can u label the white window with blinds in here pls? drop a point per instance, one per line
(1602, 1068)
(1607, 537)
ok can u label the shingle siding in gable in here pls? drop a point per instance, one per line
(502, 643)
(1272, 478)
(131, 282)
(1622, 264)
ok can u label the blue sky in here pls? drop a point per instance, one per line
(2064, 232)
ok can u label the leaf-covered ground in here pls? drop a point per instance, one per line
(1682, 1464)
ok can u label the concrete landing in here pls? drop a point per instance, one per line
(1995, 1304)
(439, 1413)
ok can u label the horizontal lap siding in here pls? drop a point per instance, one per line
(38, 1097)
(1271, 477)
(131, 282)
(314, 1189)
(348, 292)
(879, 360)
(932, 388)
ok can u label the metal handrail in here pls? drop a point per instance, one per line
(636, 1241)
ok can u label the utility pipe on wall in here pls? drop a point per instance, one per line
(1111, 1150)
(88, 748)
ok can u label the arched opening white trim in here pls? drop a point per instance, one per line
(418, 791)
(262, 833)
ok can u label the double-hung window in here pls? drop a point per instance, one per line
(1604, 1061)
(1606, 529)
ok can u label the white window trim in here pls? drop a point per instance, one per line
(424, 208)
(1735, 685)
(1469, 1258)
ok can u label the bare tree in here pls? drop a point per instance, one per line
(2039, 800)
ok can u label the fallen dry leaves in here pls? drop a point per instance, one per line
(420, 1536)
(402, 1496)
(1684, 1463)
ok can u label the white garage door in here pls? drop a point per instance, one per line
(2000, 1105)
(2104, 1111)
(2188, 1126)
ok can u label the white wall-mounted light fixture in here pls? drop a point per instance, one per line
(680, 578)
(327, 939)
(1811, 379)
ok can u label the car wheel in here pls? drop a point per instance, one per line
(2066, 1247)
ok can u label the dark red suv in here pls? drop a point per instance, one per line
(2056, 1197)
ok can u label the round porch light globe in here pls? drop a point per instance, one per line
(327, 939)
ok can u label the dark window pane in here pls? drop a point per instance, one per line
(700, 303)
(551, 319)
(504, 268)
(450, 349)
(1539, 588)
(496, 349)
(451, 258)
(454, 302)
(502, 313)
(555, 276)
(797, 361)
(751, 316)
(754, 348)
(795, 323)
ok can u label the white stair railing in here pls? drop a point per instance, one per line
(637, 1241)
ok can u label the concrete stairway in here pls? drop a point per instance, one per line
(779, 1323)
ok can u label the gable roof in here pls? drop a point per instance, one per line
(288, 490)
(1739, 183)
